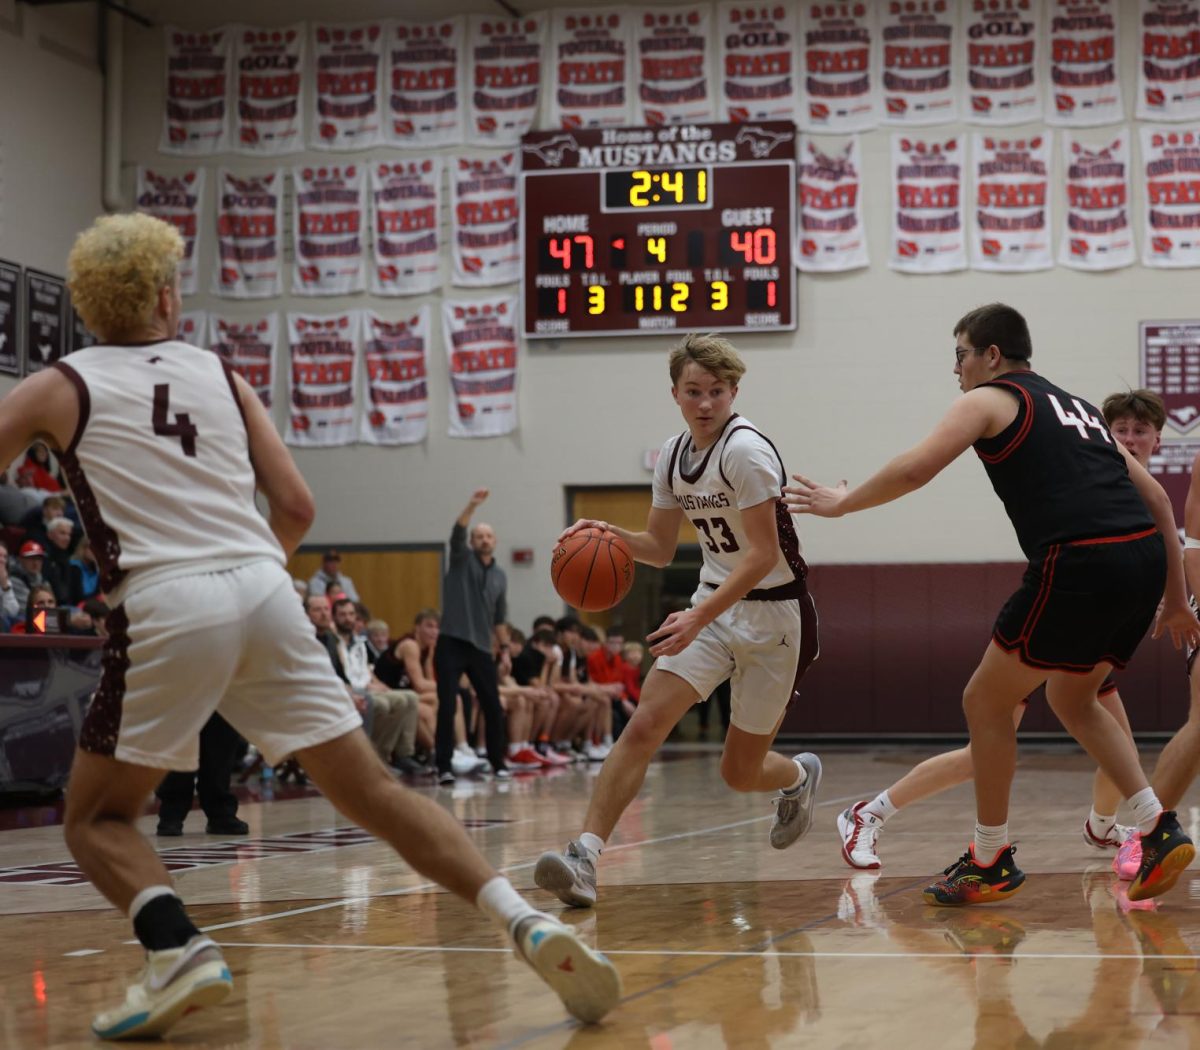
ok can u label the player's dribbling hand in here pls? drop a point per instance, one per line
(1181, 622)
(807, 497)
(582, 523)
(676, 633)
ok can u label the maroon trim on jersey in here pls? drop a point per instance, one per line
(228, 369)
(789, 541)
(106, 545)
(721, 463)
(810, 642)
(85, 403)
(1021, 434)
(691, 479)
(674, 459)
(1114, 539)
(102, 723)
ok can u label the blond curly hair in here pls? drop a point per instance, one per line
(115, 271)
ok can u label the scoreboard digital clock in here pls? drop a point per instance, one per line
(663, 229)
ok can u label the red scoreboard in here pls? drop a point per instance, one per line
(684, 227)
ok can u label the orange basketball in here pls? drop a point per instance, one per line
(592, 569)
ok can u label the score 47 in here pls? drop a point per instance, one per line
(560, 249)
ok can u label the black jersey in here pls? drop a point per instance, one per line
(1058, 470)
(391, 670)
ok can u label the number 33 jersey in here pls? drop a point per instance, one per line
(159, 464)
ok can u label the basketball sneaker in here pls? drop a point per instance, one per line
(981, 933)
(860, 834)
(858, 905)
(968, 882)
(526, 758)
(570, 875)
(175, 982)
(794, 809)
(1166, 852)
(586, 982)
(1116, 835)
(1129, 858)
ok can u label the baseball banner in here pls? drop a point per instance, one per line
(1171, 170)
(589, 57)
(396, 367)
(269, 65)
(322, 372)
(830, 234)
(757, 61)
(483, 220)
(193, 328)
(249, 235)
(10, 318)
(918, 42)
(481, 348)
(175, 199)
(927, 212)
(1097, 234)
(247, 345)
(504, 64)
(1001, 40)
(672, 47)
(406, 196)
(1169, 60)
(347, 108)
(329, 216)
(425, 83)
(836, 44)
(1011, 227)
(196, 120)
(1084, 88)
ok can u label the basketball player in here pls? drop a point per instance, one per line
(1092, 522)
(163, 447)
(751, 618)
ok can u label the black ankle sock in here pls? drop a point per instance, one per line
(162, 923)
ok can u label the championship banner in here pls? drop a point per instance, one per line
(481, 347)
(483, 220)
(504, 68)
(405, 198)
(175, 199)
(45, 327)
(1011, 227)
(1001, 39)
(1171, 170)
(193, 328)
(269, 65)
(249, 235)
(1084, 88)
(927, 213)
(396, 367)
(347, 103)
(196, 121)
(916, 79)
(10, 316)
(425, 97)
(329, 216)
(1097, 234)
(672, 46)
(322, 357)
(836, 43)
(1169, 60)
(830, 234)
(590, 63)
(247, 345)
(757, 61)
(1170, 361)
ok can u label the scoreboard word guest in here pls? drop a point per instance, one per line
(682, 227)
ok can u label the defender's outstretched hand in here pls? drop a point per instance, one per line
(807, 497)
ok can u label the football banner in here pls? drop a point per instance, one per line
(247, 345)
(405, 196)
(927, 209)
(1083, 87)
(830, 236)
(756, 54)
(1097, 234)
(504, 77)
(269, 65)
(196, 120)
(1171, 173)
(672, 72)
(347, 107)
(395, 373)
(425, 91)
(329, 217)
(1001, 41)
(483, 220)
(322, 369)
(836, 44)
(249, 235)
(1011, 229)
(481, 348)
(1168, 60)
(590, 63)
(193, 328)
(175, 199)
(917, 51)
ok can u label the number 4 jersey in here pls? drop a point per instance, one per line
(160, 465)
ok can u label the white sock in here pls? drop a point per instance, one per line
(880, 807)
(1100, 824)
(990, 839)
(146, 896)
(1146, 808)
(502, 904)
(594, 844)
(799, 782)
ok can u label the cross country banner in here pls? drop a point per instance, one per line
(269, 67)
(1168, 60)
(196, 120)
(590, 64)
(1083, 85)
(836, 44)
(671, 45)
(329, 217)
(175, 199)
(1097, 234)
(249, 235)
(504, 72)
(927, 210)
(1011, 230)
(830, 235)
(347, 106)
(1001, 41)
(395, 372)
(405, 200)
(322, 357)
(756, 56)
(481, 348)
(425, 88)
(917, 47)
(247, 345)
(193, 328)
(1171, 169)
(483, 223)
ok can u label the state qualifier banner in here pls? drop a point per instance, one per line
(484, 212)
(329, 217)
(269, 67)
(425, 83)
(757, 61)
(504, 64)
(406, 196)
(836, 45)
(347, 108)
(10, 316)
(249, 235)
(396, 368)
(481, 348)
(917, 49)
(175, 199)
(590, 60)
(1011, 231)
(1001, 39)
(1084, 42)
(322, 371)
(1171, 170)
(927, 218)
(1097, 234)
(193, 328)
(671, 45)
(196, 121)
(1170, 366)
(1169, 60)
(247, 345)
(830, 236)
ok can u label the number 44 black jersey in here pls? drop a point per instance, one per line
(1058, 470)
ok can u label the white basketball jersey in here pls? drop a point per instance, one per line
(160, 465)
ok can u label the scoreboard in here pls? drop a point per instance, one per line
(658, 229)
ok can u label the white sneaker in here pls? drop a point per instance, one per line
(1117, 834)
(794, 809)
(570, 875)
(463, 763)
(596, 752)
(586, 982)
(860, 834)
(858, 905)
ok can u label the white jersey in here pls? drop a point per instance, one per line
(712, 487)
(160, 464)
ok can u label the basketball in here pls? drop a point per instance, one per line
(592, 569)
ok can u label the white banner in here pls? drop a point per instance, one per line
(269, 67)
(918, 42)
(249, 261)
(196, 120)
(322, 369)
(836, 45)
(1010, 230)
(483, 220)
(425, 89)
(176, 199)
(672, 73)
(405, 196)
(756, 54)
(590, 60)
(481, 348)
(504, 71)
(1169, 60)
(1001, 39)
(247, 345)
(347, 107)
(328, 221)
(927, 208)
(395, 374)
(1083, 83)
(1171, 170)
(193, 328)
(830, 235)
(1097, 234)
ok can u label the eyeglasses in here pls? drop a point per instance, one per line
(961, 351)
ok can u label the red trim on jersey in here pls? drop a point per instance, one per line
(228, 368)
(1079, 669)
(85, 403)
(1107, 687)
(1114, 539)
(102, 723)
(1021, 434)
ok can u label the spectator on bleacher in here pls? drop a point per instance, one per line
(16, 502)
(361, 615)
(37, 470)
(97, 610)
(36, 522)
(518, 703)
(57, 569)
(602, 695)
(320, 615)
(633, 653)
(26, 571)
(10, 607)
(531, 668)
(329, 576)
(377, 640)
(85, 572)
(40, 599)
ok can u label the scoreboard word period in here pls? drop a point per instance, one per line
(658, 229)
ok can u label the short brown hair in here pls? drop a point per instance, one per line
(997, 324)
(1144, 405)
(713, 353)
(427, 614)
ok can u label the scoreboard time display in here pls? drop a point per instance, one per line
(685, 227)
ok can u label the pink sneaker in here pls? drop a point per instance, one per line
(1129, 858)
(550, 757)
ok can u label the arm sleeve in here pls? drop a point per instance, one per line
(752, 469)
(502, 606)
(661, 495)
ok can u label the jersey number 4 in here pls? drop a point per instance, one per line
(183, 427)
(726, 541)
(1082, 422)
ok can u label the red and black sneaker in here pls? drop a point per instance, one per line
(968, 882)
(1166, 852)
